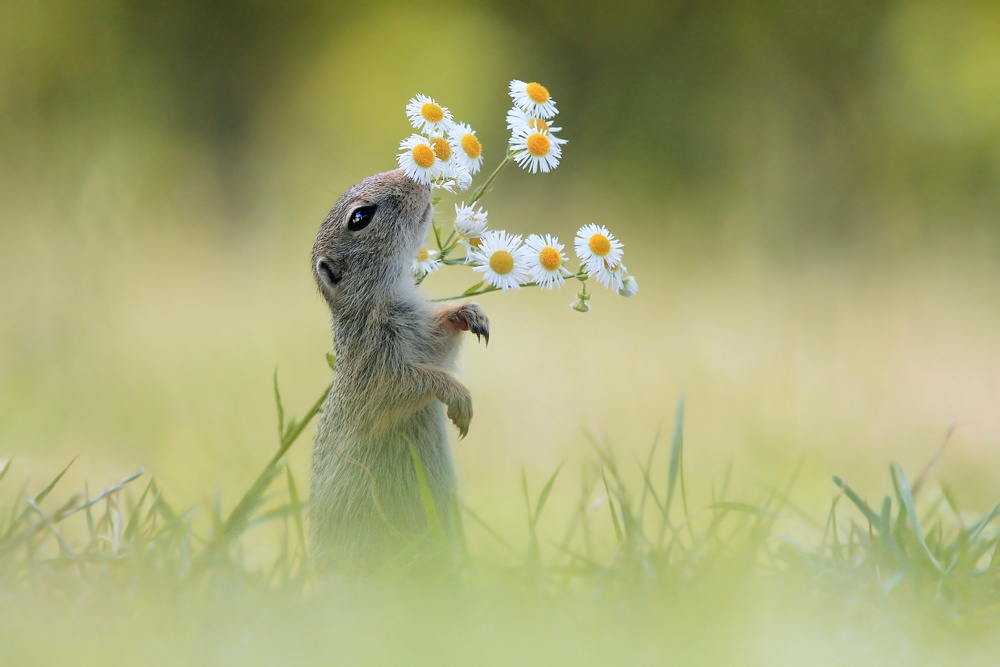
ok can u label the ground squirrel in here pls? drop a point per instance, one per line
(395, 352)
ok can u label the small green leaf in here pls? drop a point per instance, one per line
(473, 288)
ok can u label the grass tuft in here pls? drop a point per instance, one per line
(896, 575)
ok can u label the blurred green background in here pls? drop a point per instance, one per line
(808, 193)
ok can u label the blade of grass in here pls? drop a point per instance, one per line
(647, 473)
(434, 524)
(103, 494)
(134, 521)
(911, 511)
(745, 508)
(611, 506)
(238, 518)
(676, 444)
(281, 409)
(856, 499)
(490, 530)
(296, 504)
(544, 495)
(51, 485)
(918, 483)
(533, 556)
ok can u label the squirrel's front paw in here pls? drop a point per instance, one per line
(460, 410)
(470, 317)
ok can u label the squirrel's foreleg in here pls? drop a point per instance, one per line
(424, 381)
(455, 318)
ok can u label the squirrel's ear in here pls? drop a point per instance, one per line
(328, 274)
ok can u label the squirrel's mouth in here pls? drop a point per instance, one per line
(425, 219)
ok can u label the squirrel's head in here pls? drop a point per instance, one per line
(365, 247)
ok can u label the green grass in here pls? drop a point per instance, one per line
(634, 575)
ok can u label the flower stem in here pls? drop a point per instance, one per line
(485, 290)
(580, 275)
(496, 172)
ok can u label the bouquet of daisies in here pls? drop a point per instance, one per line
(447, 154)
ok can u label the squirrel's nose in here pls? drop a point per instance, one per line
(411, 187)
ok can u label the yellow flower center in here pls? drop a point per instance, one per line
(475, 242)
(423, 255)
(549, 258)
(537, 92)
(431, 112)
(600, 245)
(424, 156)
(538, 124)
(502, 262)
(539, 144)
(441, 148)
(471, 146)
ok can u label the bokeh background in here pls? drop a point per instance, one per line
(808, 192)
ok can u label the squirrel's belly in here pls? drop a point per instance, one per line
(366, 502)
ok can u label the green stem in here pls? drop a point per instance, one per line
(485, 290)
(496, 172)
(449, 242)
(580, 275)
(452, 240)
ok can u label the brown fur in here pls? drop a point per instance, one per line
(395, 356)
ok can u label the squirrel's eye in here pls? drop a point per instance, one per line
(360, 218)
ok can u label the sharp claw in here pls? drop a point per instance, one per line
(486, 335)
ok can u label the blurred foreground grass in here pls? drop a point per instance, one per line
(633, 574)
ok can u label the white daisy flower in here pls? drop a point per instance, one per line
(445, 154)
(502, 260)
(535, 150)
(533, 98)
(518, 119)
(469, 222)
(418, 160)
(465, 144)
(597, 247)
(425, 263)
(630, 287)
(471, 245)
(460, 180)
(610, 275)
(428, 116)
(446, 184)
(545, 261)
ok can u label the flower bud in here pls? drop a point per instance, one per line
(630, 287)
